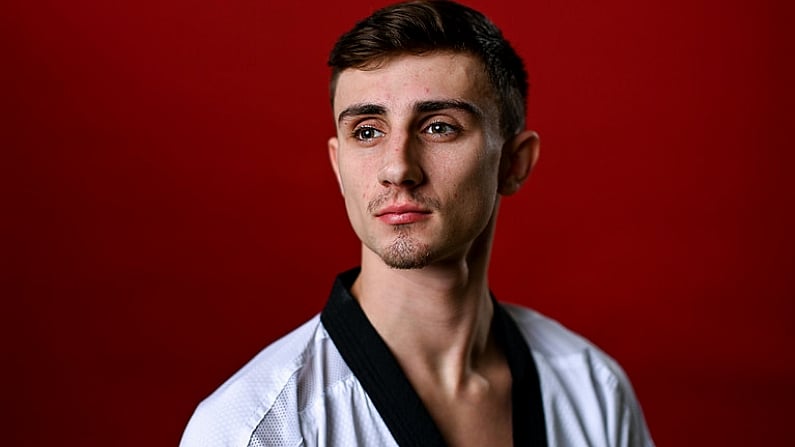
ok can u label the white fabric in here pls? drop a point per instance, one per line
(299, 392)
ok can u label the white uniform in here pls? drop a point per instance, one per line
(333, 382)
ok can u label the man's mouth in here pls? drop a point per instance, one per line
(402, 214)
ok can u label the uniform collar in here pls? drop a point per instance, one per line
(399, 405)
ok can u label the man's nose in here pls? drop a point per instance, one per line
(401, 163)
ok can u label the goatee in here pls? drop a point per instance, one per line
(406, 252)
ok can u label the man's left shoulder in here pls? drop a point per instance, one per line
(588, 397)
(554, 342)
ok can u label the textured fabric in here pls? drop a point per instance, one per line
(300, 392)
(588, 400)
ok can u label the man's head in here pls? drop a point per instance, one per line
(428, 101)
(426, 26)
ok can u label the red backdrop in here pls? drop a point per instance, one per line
(168, 209)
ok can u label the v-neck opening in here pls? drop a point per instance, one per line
(388, 387)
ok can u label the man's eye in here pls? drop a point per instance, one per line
(440, 128)
(366, 133)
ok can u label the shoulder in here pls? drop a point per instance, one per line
(269, 389)
(552, 342)
(587, 395)
(565, 353)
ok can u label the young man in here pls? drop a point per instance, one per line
(411, 348)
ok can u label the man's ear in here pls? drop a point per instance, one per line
(519, 155)
(333, 145)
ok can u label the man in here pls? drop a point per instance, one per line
(411, 348)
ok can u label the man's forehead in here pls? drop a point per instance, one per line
(406, 79)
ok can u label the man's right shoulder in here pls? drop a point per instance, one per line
(270, 388)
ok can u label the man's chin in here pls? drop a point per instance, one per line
(406, 253)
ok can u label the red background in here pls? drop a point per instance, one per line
(168, 209)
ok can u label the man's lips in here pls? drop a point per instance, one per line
(402, 214)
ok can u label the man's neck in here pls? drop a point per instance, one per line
(435, 320)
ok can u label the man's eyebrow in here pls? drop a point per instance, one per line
(361, 109)
(435, 106)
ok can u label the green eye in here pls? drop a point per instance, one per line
(367, 133)
(440, 128)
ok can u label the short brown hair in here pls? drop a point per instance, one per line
(429, 25)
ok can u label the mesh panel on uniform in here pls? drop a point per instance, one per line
(280, 426)
(322, 368)
(323, 371)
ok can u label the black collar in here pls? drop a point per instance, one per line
(390, 390)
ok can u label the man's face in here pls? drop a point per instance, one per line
(417, 156)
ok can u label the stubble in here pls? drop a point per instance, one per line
(406, 252)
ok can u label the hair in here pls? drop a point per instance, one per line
(424, 26)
